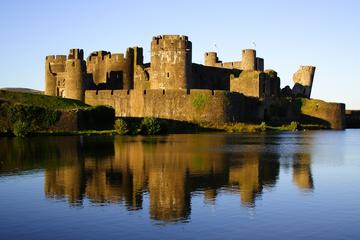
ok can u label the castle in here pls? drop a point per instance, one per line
(171, 86)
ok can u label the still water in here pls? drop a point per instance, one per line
(205, 186)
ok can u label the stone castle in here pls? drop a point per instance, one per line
(171, 86)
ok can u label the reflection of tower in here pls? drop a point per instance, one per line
(255, 172)
(129, 157)
(302, 176)
(66, 180)
(247, 177)
(168, 195)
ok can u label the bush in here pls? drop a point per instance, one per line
(294, 126)
(263, 126)
(150, 126)
(22, 129)
(27, 118)
(121, 127)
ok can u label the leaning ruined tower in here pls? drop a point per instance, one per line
(170, 62)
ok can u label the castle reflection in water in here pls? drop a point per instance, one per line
(167, 168)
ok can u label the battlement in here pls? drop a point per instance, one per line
(171, 37)
(56, 58)
(97, 55)
(171, 42)
(76, 53)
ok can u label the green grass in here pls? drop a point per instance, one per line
(51, 102)
(263, 127)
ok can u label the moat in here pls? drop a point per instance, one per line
(289, 185)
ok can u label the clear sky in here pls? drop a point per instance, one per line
(324, 33)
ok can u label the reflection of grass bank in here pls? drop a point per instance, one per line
(263, 127)
(152, 126)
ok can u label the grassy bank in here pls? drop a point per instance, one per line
(23, 114)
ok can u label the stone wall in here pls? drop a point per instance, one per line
(318, 111)
(207, 77)
(353, 118)
(305, 111)
(183, 105)
(250, 83)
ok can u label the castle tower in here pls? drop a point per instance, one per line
(303, 79)
(170, 62)
(75, 74)
(248, 61)
(260, 64)
(211, 59)
(53, 66)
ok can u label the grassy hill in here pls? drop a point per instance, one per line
(38, 100)
(23, 90)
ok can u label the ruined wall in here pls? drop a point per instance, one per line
(194, 105)
(170, 62)
(272, 84)
(114, 71)
(330, 114)
(305, 111)
(303, 80)
(207, 77)
(250, 83)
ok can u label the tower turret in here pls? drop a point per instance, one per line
(248, 61)
(211, 59)
(75, 75)
(170, 62)
(54, 65)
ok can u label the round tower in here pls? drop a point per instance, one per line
(75, 72)
(248, 61)
(53, 66)
(50, 77)
(211, 59)
(170, 62)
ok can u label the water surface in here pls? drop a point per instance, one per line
(206, 186)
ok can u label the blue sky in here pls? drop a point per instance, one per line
(287, 34)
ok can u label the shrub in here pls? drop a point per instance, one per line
(121, 127)
(150, 126)
(294, 126)
(27, 118)
(263, 126)
(22, 129)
